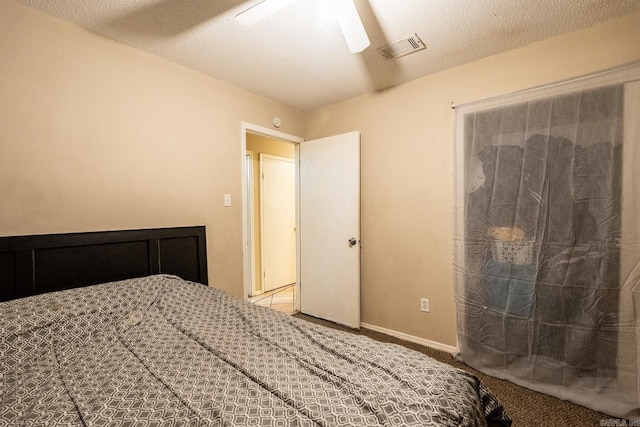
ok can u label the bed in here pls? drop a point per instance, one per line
(159, 349)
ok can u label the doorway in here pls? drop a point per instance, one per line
(546, 242)
(272, 212)
(327, 198)
(269, 248)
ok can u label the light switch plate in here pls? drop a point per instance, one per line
(227, 200)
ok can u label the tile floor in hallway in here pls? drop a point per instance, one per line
(281, 299)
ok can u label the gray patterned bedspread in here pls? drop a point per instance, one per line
(159, 351)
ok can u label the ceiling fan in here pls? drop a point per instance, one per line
(346, 13)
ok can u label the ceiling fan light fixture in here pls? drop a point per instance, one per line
(348, 19)
(261, 10)
(352, 27)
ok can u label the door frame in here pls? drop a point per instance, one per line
(245, 128)
(250, 225)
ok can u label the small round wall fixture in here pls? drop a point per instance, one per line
(277, 122)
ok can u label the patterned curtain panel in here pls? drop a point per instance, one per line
(547, 240)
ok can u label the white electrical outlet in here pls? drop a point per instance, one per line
(424, 304)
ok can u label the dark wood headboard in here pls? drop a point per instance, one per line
(31, 265)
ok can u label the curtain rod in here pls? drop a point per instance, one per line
(617, 74)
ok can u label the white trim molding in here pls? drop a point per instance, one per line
(428, 343)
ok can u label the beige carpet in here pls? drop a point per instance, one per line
(525, 407)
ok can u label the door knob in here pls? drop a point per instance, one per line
(352, 242)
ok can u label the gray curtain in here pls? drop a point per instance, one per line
(538, 247)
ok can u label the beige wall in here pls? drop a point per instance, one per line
(267, 145)
(98, 136)
(407, 167)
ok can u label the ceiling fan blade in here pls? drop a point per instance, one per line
(352, 27)
(260, 11)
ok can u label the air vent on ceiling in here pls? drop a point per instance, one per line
(404, 47)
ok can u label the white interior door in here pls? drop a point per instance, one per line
(278, 221)
(329, 173)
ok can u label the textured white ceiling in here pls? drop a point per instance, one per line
(298, 56)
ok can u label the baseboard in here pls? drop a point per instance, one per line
(432, 344)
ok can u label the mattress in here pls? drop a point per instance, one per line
(161, 351)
